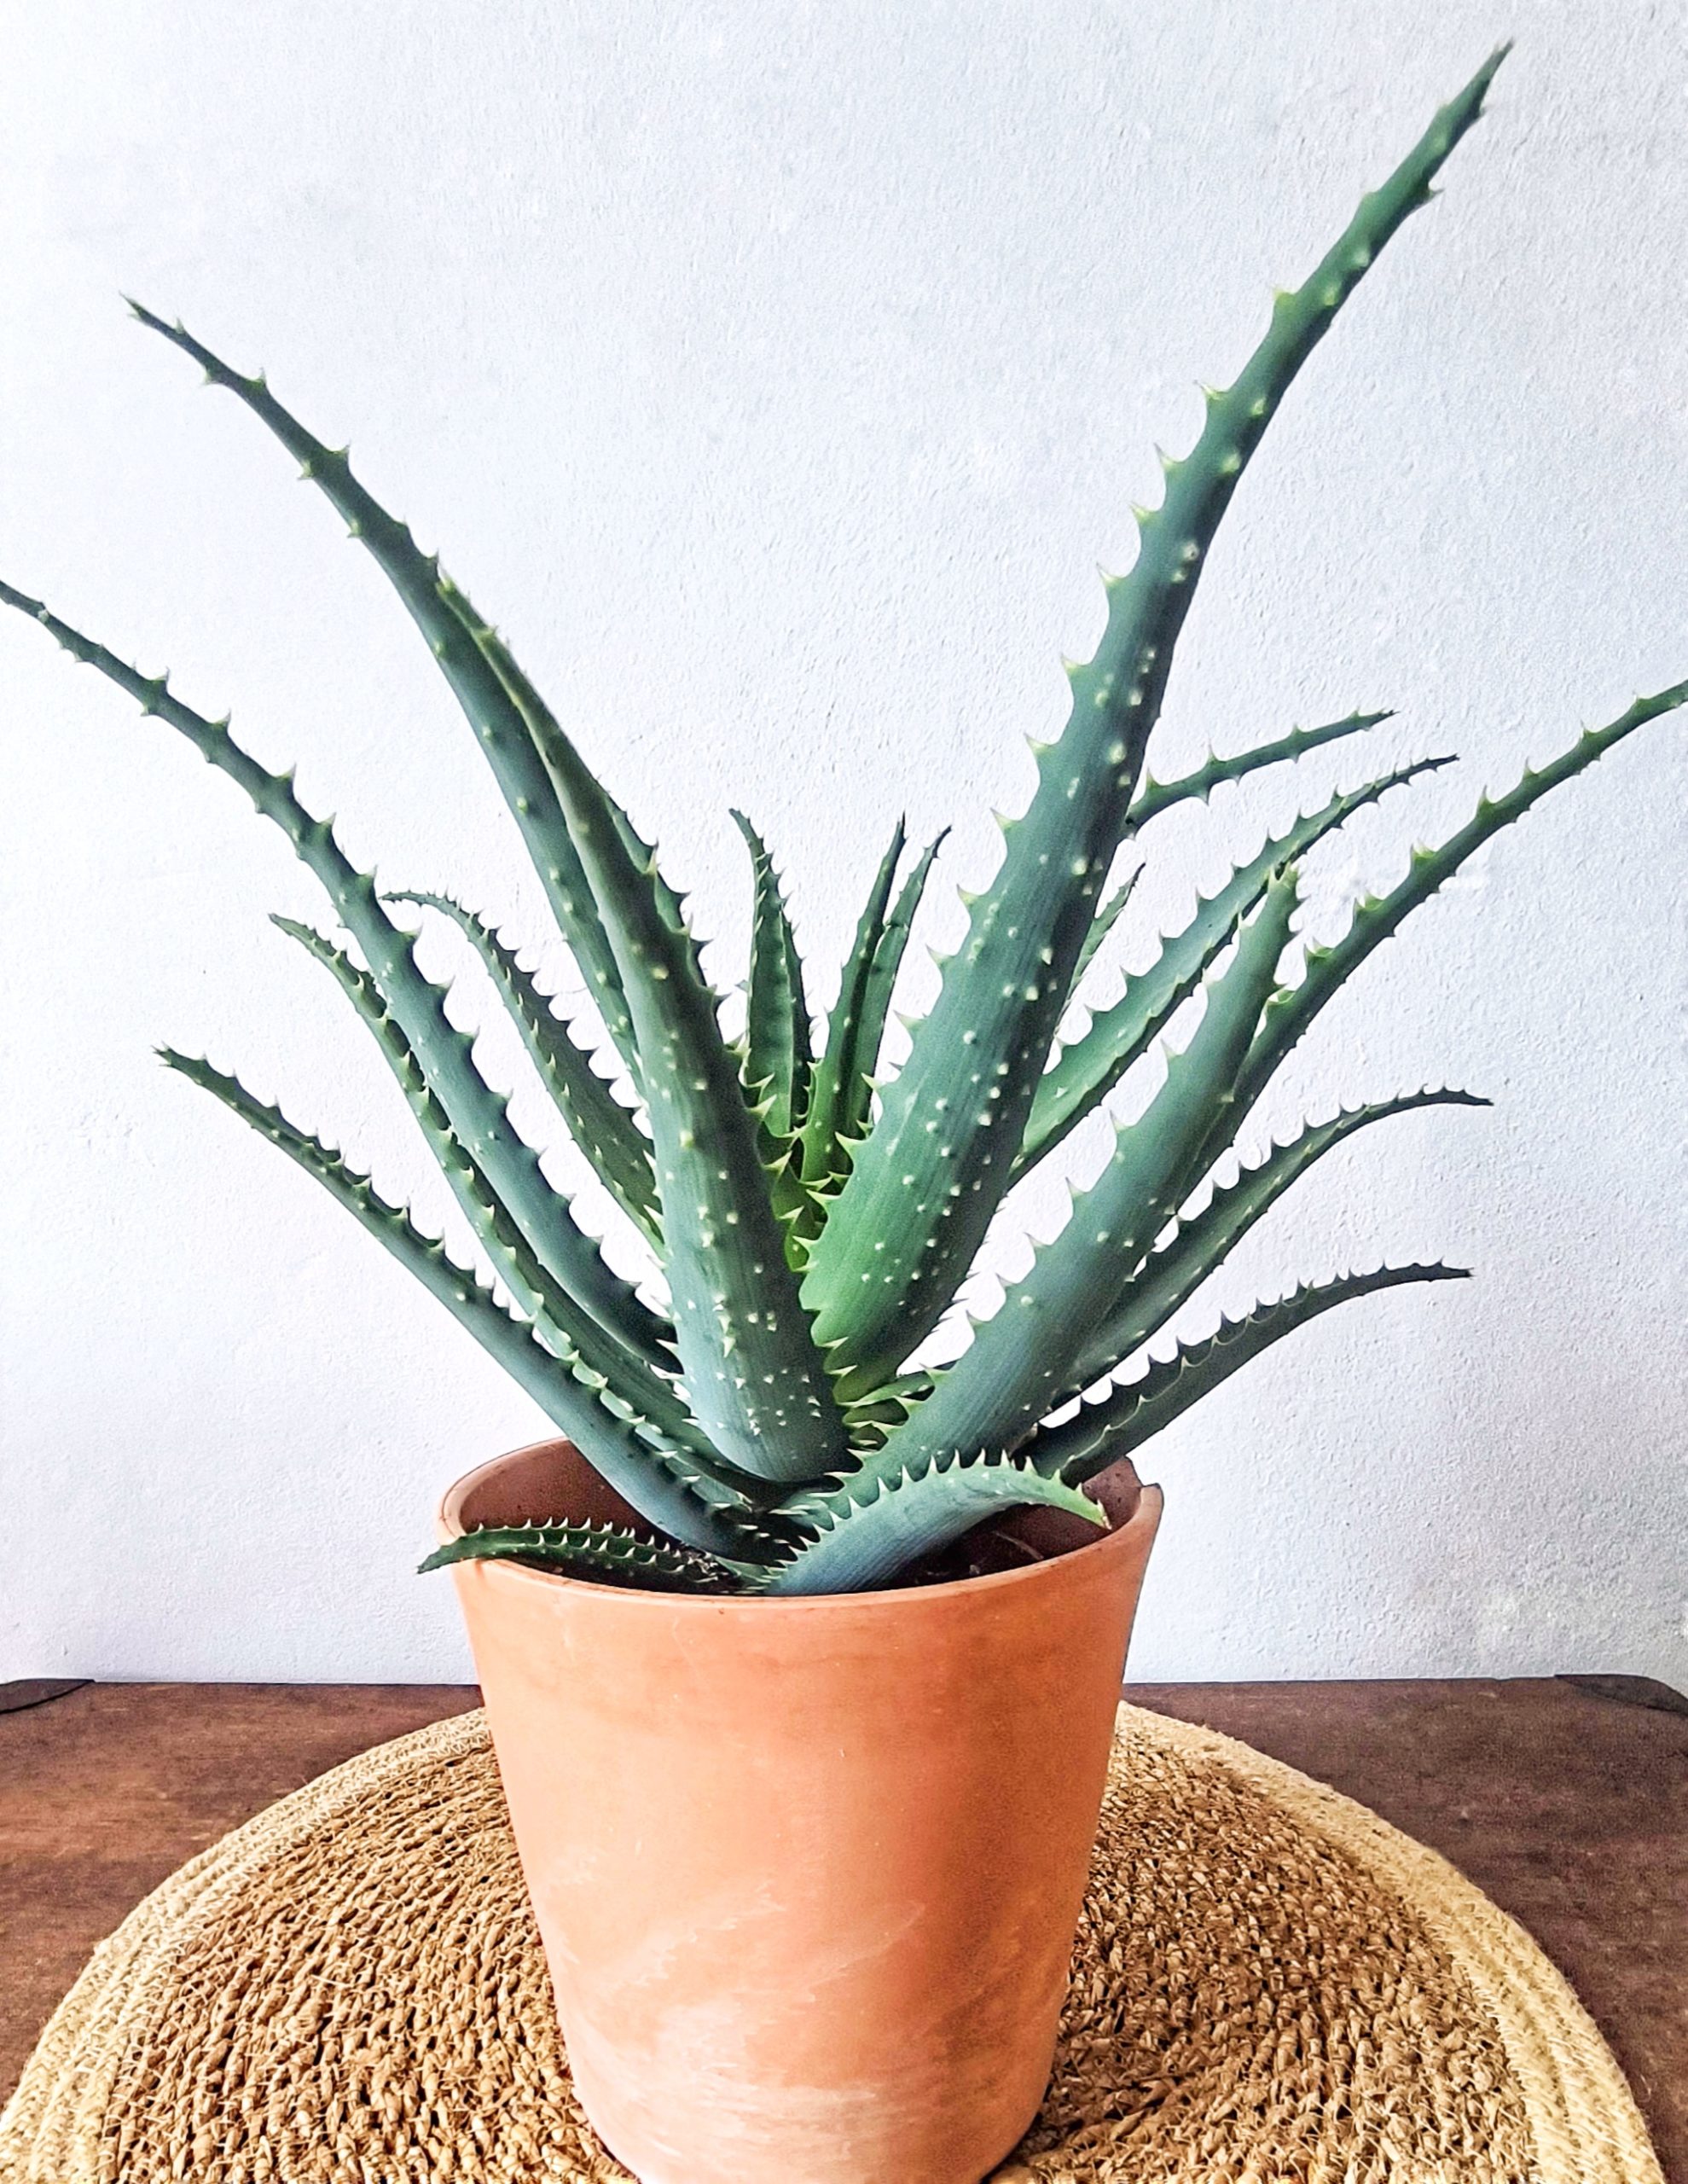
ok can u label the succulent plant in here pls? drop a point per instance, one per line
(813, 1211)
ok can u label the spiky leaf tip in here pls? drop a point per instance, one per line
(641, 1467)
(1004, 993)
(1113, 1424)
(1154, 797)
(777, 1060)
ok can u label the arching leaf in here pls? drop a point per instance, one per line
(918, 1200)
(867, 1528)
(1112, 1425)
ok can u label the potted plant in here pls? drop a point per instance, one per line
(800, 1655)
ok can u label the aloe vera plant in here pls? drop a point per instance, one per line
(812, 1212)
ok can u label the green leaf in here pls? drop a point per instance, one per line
(1022, 1357)
(441, 613)
(876, 997)
(776, 1026)
(868, 1527)
(841, 1065)
(477, 1117)
(1200, 1244)
(1104, 923)
(1083, 1073)
(1114, 1424)
(632, 1373)
(601, 1552)
(643, 1474)
(754, 1377)
(917, 1203)
(1153, 797)
(1376, 918)
(600, 1125)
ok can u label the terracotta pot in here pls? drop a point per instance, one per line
(807, 1871)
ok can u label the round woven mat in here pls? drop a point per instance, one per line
(1270, 1985)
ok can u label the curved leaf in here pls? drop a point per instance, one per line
(1082, 1073)
(640, 1471)
(479, 1119)
(441, 613)
(1154, 797)
(631, 1374)
(1199, 1245)
(1115, 1424)
(1376, 918)
(918, 1200)
(601, 1552)
(869, 1527)
(598, 1124)
(754, 1377)
(1022, 1357)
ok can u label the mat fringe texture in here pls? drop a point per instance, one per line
(1271, 1986)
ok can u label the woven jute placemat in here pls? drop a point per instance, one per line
(1270, 1985)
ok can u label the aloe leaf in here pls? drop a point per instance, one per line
(870, 1416)
(1023, 1357)
(876, 997)
(777, 1057)
(630, 1373)
(478, 1117)
(600, 1125)
(441, 613)
(536, 718)
(632, 1384)
(1114, 1424)
(883, 1271)
(872, 1525)
(841, 1064)
(754, 1379)
(1200, 1244)
(640, 1473)
(1086, 1069)
(1153, 797)
(1104, 923)
(1376, 918)
(604, 1552)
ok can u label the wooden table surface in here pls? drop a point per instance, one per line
(1570, 1809)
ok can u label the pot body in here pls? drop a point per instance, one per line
(807, 1871)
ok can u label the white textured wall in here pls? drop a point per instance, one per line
(777, 374)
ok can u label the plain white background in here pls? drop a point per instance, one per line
(776, 375)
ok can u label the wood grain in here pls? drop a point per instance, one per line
(1570, 1809)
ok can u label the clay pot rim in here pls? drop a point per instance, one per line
(638, 1598)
